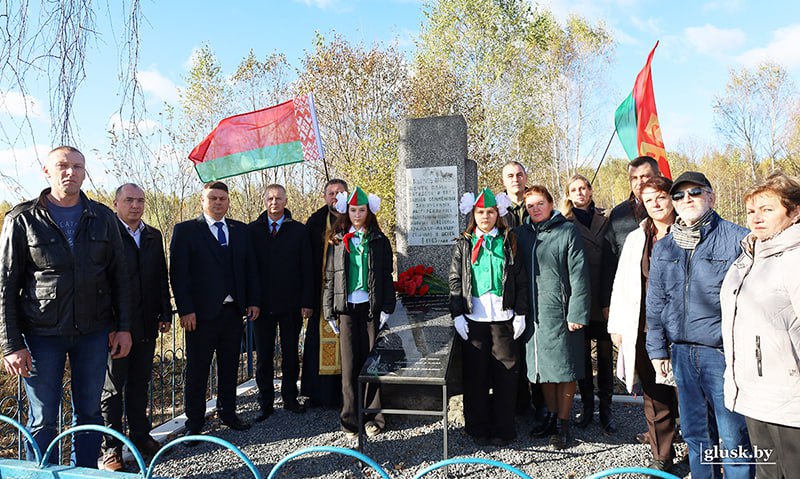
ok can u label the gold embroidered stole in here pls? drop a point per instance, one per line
(330, 359)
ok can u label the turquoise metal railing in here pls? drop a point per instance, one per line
(41, 468)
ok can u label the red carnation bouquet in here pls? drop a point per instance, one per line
(419, 281)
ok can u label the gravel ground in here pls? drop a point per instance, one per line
(408, 445)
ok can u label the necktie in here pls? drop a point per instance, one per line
(348, 236)
(223, 241)
(477, 249)
(274, 228)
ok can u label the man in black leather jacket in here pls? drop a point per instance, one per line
(64, 293)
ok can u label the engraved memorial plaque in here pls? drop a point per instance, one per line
(432, 205)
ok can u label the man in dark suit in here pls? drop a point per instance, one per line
(515, 182)
(626, 216)
(283, 252)
(214, 282)
(321, 389)
(129, 377)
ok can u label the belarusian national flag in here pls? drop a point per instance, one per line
(637, 124)
(275, 136)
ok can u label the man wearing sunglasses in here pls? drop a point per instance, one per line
(684, 325)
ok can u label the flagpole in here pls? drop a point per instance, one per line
(613, 133)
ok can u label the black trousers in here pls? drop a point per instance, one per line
(785, 443)
(357, 334)
(126, 391)
(322, 389)
(265, 328)
(491, 360)
(222, 335)
(605, 369)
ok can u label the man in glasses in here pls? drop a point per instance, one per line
(684, 334)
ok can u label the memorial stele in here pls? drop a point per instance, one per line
(432, 173)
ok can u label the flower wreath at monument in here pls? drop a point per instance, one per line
(419, 280)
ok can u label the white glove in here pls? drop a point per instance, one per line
(519, 325)
(382, 323)
(334, 326)
(462, 328)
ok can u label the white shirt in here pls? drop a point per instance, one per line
(210, 221)
(135, 234)
(489, 306)
(358, 296)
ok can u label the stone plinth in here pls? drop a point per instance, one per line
(433, 172)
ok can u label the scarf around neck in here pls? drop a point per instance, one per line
(687, 237)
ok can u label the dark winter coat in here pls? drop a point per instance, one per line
(683, 303)
(552, 253)
(624, 218)
(379, 277)
(601, 260)
(515, 281)
(284, 265)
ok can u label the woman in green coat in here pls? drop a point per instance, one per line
(551, 250)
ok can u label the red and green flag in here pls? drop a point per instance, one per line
(637, 124)
(279, 135)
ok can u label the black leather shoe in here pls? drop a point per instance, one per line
(584, 418)
(609, 425)
(607, 421)
(500, 442)
(547, 427)
(190, 432)
(294, 407)
(264, 414)
(561, 439)
(236, 424)
(147, 446)
(480, 440)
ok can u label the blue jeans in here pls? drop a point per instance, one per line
(705, 422)
(87, 354)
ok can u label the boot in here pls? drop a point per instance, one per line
(540, 417)
(584, 418)
(547, 426)
(560, 440)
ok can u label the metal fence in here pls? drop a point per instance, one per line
(165, 395)
(41, 466)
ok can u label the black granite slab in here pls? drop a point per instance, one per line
(417, 347)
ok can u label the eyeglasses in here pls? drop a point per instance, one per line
(693, 192)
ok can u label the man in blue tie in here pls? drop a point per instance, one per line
(283, 250)
(215, 283)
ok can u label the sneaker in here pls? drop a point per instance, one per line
(112, 461)
(372, 429)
